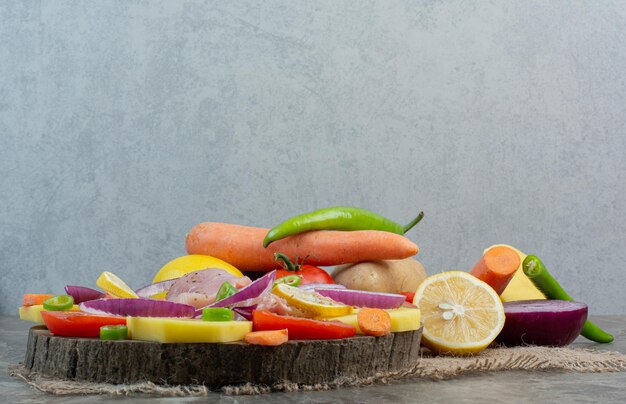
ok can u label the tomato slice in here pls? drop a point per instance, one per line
(301, 328)
(78, 323)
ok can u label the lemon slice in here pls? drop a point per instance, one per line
(311, 303)
(461, 314)
(114, 285)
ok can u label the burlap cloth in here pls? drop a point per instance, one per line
(429, 367)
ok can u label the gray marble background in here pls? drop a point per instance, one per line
(124, 123)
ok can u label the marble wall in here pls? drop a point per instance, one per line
(124, 123)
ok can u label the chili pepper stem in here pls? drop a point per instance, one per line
(415, 221)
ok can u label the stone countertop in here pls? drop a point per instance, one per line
(517, 386)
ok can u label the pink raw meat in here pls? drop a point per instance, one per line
(199, 288)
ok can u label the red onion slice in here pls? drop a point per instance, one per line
(83, 293)
(361, 298)
(245, 312)
(138, 308)
(153, 289)
(309, 287)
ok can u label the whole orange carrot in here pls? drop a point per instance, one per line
(242, 246)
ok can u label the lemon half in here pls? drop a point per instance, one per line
(462, 315)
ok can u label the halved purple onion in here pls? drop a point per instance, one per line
(362, 298)
(309, 287)
(542, 322)
(138, 308)
(155, 288)
(83, 293)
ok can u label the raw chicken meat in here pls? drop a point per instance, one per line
(199, 288)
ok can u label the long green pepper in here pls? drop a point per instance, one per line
(337, 218)
(541, 278)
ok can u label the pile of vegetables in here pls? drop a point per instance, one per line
(375, 289)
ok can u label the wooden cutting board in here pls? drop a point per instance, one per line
(216, 365)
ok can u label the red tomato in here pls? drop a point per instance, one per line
(409, 296)
(308, 273)
(78, 323)
(301, 328)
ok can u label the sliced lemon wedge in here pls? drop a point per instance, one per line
(462, 315)
(114, 285)
(311, 303)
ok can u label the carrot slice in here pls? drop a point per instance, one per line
(497, 267)
(376, 322)
(267, 338)
(34, 299)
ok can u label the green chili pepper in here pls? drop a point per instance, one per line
(337, 218)
(541, 278)
(225, 291)
(113, 332)
(217, 314)
(58, 303)
(291, 280)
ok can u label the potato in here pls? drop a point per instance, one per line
(390, 276)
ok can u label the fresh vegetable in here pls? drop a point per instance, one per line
(375, 322)
(245, 312)
(301, 328)
(138, 307)
(171, 330)
(539, 275)
(312, 303)
(542, 322)
(248, 295)
(402, 319)
(496, 267)
(113, 332)
(33, 313)
(314, 286)
(33, 299)
(389, 276)
(82, 293)
(462, 314)
(58, 303)
(217, 314)
(154, 289)
(307, 273)
(291, 280)
(115, 286)
(361, 298)
(78, 323)
(226, 290)
(520, 287)
(242, 246)
(267, 338)
(190, 263)
(408, 295)
(345, 218)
